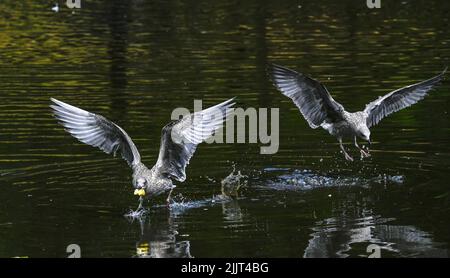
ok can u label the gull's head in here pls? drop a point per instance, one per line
(364, 133)
(140, 187)
(141, 183)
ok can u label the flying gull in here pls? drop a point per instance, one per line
(320, 109)
(179, 140)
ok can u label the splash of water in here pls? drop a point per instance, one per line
(233, 183)
(230, 187)
(137, 214)
(306, 180)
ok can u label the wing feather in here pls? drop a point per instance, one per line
(399, 99)
(96, 130)
(179, 139)
(310, 96)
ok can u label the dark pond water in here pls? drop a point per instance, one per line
(135, 61)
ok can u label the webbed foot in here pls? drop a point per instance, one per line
(364, 153)
(348, 157)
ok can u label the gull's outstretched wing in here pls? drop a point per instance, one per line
(179, 139)
(399, 99)
(96, 130)
(310, 96)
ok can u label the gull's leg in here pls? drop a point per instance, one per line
(363, 153)
(168, 197)
(141, 201)
(347, 156)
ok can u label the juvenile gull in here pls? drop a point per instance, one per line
(320, 109)
(179, 140)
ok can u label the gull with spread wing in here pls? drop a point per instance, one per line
(321, 110)
(179, 140)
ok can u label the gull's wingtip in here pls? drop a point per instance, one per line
(272, 69)
(54, 104)
(275, 69)
(57, 102)
(232, 101)
(441, 76)
(229, 102)
(272, 66)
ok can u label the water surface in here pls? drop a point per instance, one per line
(135, 61)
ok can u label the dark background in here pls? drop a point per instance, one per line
(135, 61)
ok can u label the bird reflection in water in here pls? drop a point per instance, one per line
(159, 229)
(159, 237)
(231, 186)
(347, 235)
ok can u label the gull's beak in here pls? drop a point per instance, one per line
(370, 143)
(139, 192)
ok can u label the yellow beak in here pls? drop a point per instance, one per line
(139, 192)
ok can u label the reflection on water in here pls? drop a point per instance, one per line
(352, 228)
(337, 237)
(135, 61)
(232, 211)
(159, 238)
